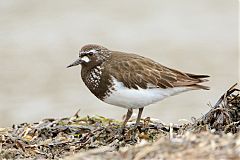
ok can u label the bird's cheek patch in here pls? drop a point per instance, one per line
(85, 59)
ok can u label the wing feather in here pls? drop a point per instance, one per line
(135, 71)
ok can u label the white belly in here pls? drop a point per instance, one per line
(138, 98)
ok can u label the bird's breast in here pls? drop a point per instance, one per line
(97, 81)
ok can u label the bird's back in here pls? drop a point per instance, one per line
(137, 71)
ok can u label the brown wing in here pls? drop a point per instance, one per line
(135, 71)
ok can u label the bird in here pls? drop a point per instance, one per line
(131, 81)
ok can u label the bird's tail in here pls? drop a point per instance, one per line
(201, 78)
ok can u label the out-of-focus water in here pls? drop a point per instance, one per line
(38, 39)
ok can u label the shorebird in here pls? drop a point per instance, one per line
(131, 81)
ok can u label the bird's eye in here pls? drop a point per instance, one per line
(90, 53)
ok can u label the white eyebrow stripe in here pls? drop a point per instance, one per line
(90, 51)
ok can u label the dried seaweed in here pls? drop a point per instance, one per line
(190, 146)
(213, 136)
(224, 116)
(56, 138)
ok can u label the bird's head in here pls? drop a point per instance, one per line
(91, 55)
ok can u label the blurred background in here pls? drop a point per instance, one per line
(38, 39)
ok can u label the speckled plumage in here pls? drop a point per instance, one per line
(112, 75)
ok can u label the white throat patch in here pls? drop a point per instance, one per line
(85, 59)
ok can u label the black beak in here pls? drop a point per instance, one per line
(77, 62)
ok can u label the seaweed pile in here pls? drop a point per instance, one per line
(213, 136)
(57, 138)
(223, 117)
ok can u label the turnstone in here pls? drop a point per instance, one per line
(131, 81)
